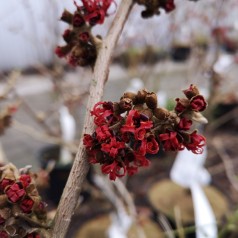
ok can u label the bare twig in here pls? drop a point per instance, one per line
(178, 221)
(80, 167)
(228, 164)
(166, 226)
(126, 196)
(222, 120)
(10, 84)
(42, 136)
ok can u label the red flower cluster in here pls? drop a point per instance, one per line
(153, 7)
(129, 130)
(18, 193)
(81, 45)
(194, 101)
(95, 11)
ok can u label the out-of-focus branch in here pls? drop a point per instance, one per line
(42, 136)
(69, 199)
(10, 83)
(229, 166)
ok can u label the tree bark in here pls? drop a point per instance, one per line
(70, 196)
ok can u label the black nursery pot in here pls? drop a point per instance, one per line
(180, 53)
(58, 176)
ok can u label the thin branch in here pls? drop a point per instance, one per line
(10, 84)
(42, 136)
(70, 196)
(228, 164)
(126, 196)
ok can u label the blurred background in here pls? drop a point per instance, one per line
(197, 43)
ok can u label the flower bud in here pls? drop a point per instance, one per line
(161, 113)
(67, 17)
(84, 36)
(191, 91)
(78, 20)
(198, 103)
(140, 97)
(151, 100)
(3, 200)
(125, 104)
(130, 95)
(182, 105)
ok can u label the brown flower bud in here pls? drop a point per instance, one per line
(140, 97)
(67, 17)
(130, 95)
(125, 104)
(161, 113)
(3, 200)
(191, 91)
(5, 213)
(147, 113)
(182, 105)
(151, 100)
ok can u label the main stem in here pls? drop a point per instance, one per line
(70, 196)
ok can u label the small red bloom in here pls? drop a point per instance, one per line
(4, 183)
(59, 52)
(25, 180)
(96, 10)
(114, 170)
(103, 112)
(87, 140)
(141, 131)
(78, 20)
(152, 146)
(113, 147)
(84, 36)
(170, 141)
(3, 234)
(198, 103)
(103, 132)
(129, 125)
(26, 205)
(196, 143)
(15, 193)
(184, 124)
(140, 147)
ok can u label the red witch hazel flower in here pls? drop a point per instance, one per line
(19, 195)
(129, 130)
(81, 46)
(15, 193)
